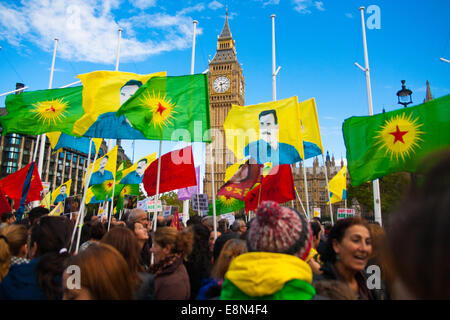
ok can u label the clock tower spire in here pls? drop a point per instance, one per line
(226, 87)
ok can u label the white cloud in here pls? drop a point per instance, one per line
(349, 15)
(302, 6)
(88, 30)
(271, 2)
(143, 4)
(198, 7)
(319, 5)
(214, 5)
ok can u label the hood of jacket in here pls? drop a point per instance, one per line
(260, 274)
(21, 284)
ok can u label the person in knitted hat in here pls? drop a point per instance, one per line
(278, 241)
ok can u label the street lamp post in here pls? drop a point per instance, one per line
(404, 95)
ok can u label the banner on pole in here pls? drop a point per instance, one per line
(316, 212)
(130, 201)
(200, 202)
(345, 213)
(72, 204)
(229, 216)
(46, 187)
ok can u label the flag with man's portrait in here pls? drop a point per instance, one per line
(267, 132)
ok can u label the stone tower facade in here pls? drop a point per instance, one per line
(226, 87)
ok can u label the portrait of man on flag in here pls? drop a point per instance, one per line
(136, 176)
(101, 175)
(268, 148)
(61, 196)
(268, 132)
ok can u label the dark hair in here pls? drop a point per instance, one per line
(97, 230)
(315, 227)
(222, 226)
(194, 220)
(132, 83)
(266, 112)
(51, 234)
(144, 159)
(105, 157)
(337, 233)
(37, 212)
(417, 231)
(6, 216)
(198, 263)
(220, 242)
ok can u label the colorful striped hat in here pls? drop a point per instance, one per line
(280, 230)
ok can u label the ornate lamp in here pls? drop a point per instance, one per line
(404, 95)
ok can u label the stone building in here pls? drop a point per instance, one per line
(226, 87)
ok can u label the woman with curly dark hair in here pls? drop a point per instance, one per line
(199, 263)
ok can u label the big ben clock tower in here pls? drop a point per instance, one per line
(226, 87)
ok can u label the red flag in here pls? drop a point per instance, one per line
(277, 186)
(4, 204)
(12, 185)
(177, 171)
(176, 221)
(242, 181)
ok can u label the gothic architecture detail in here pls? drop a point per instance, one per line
(226, 87)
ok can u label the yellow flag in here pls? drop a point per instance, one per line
(104, 168)
(312, 142)
(46, 201)
(338, 186)
(135, 173)
(57, 210)
(102, 94)
(267, 132)
(61, 193)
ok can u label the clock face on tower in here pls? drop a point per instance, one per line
(221, 84)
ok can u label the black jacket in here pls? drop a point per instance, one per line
(330, 273)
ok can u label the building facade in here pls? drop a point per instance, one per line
(226, 87)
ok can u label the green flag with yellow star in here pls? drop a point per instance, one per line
(395, 141)
(171, 108)
(42, 111)
(226, 204)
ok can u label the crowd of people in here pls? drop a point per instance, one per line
(278, 254)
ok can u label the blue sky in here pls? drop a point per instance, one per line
(317, 44)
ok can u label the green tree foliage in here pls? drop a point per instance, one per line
(392, 190)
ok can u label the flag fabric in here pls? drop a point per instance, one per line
(312, 141)
(130, 189)
(171, 108)
(267, 132)
(61, 193)
(177, 171)
(103, 94)
(25, 188)
(338, 186)
(242, 181)
(4, 204)
(277, 186)
(135, 173)
(41, 111)
(60, 140)
(46, 202)
(176, 221)
(395, 141)
(186, 193)
(12, 185)
(57, 210)
(102, 179)
(225, 205)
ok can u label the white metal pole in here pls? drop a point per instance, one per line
(274, 75)
(155, 214)
(6, 93)
(445, 60)
(112, 204)
(376, 184)
(213, 190)
(43, 137)
(328, 188)
(306, 189)
(193, 47)
(81, 212)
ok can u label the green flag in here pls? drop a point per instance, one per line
(226, 204)
(42, 111)
(164, 105)
(395, 141)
